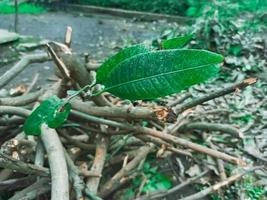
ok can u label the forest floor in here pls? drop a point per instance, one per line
(242, 114)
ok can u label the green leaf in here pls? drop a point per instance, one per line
(156, 74)
(53, 111)
(113, 61)
(176, 43)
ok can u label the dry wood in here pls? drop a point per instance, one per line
(219, 93)
(115, 181)
(31, 192)
(21, 167)
(225, 128)
(164, 194)
(98, 163)
(20, 66)
(57, 163)
(166, 137)
(21, 100)
(217, 186)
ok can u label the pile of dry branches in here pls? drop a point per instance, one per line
(86, 158)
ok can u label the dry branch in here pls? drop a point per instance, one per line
(31, 192)
(114, 111)
(73, 171)
(57, 163)
(98, 163)
(21, 167)
(20, 66)
(163, 136)
(164, 194)
(12, 110)
(217, 186)
(20, 100)
(16, 183)
(115, 181)
(225, 128)
(216, 94)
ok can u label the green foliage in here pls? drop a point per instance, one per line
(160, 73)
(155, 181)
(7, 7)
(53, 111)
(191, 8)
(176, 43)
(113, 61)
(253, 191)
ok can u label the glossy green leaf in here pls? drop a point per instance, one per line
(176, 43)
(113, 61)
(53, 111)
(156, 74)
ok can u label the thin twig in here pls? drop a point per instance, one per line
(112, 184)
(162, 194)
(216, 94)
(217, 186)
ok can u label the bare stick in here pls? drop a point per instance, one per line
(15, 111)
(31, 86)
(226, 128)
(114, 111)
(40, 153)
(219, 185)
(57, 163)
(59, 63)
(78, 183)
(21, 167)
(20, 100)
(114, 182)
(84, 146)
(163, 136)
(160, 142)
(98, 163)
(20, 66)
(11, 121)
(216, 94)
(68, 36)
(33, 191)
(16, 183)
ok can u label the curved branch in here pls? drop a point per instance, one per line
(12, 110)
(20, 100)
(20, 66)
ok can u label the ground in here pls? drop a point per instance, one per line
(102, 36)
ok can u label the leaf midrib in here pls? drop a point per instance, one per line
(157, 75)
